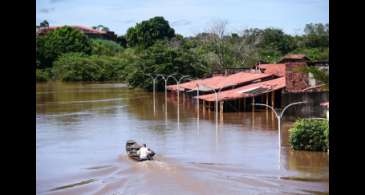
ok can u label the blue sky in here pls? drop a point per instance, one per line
(187, 17)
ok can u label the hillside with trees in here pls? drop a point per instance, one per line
(153, 47)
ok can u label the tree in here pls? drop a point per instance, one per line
(316, 35)
(244, 48)
(122, 41)
(315, 54)
(146, 33)
(276, 39)
(217, 30)
(44, 24)
(161, 58)
(105, 47)
(60, 41)
(101, 27)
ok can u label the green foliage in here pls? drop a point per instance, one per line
(105, 47)
(146, 33)
(269, 55)
(80, 67)
(44, 24)
(326, 134)
(122, 41)
(152, 47)
(309, 134)
(318, 74)
(60, 41)
(161, 58)
(102, 27)
(42, 75)
(316, 35)
(276, 39)
(316, 54)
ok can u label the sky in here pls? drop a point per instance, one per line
(187, 17)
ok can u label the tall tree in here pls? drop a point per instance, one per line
(44, 24)
(101, 27)
(276, 39)
(59, 41)
(316, 35)
(217, 31)
(122, 41)
(148, 32)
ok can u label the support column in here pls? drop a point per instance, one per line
(273, 118)
(267, 100)
(221, 107)
(253, 102)
(183, 99)
(239, 105)
(203, 108)
(244, 104)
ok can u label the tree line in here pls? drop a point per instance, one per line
(153, 47)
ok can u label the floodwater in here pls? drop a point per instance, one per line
(82, 129)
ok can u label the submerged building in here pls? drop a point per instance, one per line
(273, 84)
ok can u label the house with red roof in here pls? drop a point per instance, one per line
(90, 32)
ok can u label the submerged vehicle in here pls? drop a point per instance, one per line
(132, 147)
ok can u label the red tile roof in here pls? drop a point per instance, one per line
(294, 56)
(244, 91)
(275, 69)
(82, 28)
(218, 82)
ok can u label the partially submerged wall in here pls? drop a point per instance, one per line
(296, 81)
(311, 109)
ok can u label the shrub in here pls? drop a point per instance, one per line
(81, 67)
(105, 47)
(42, 75)
(309, 134)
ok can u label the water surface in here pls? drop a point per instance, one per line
(82, 129)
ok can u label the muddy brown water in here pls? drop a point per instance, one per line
(81, 130)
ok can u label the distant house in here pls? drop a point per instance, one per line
(294, 58)
(90, 32)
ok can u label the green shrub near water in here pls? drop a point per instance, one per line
(81, 67)
(57, 42)
(309, 134)
(105, 47)
(42, 75)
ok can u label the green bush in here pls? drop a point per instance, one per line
(309, 134)
(42, 75)
(81, 67)
(105, 47)
(57, 42)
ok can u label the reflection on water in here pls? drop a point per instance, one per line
(82, 129)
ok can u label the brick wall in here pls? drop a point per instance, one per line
(295, 81)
